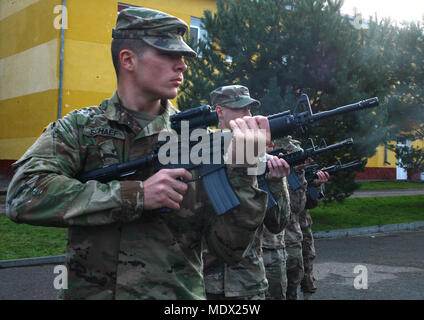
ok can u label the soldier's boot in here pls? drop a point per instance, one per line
(307, 295)
(291, 293)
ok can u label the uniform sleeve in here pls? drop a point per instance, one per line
(230, 236)
(44, 192)
(298, 197)
(278, 217)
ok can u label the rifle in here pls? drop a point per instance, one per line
(212, 173)
(283, 124)
(299, 157)
(311, 174)
(293, 159)
(214, 176)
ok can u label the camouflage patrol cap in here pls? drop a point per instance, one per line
(233, 97)
(158, 29)
(288, 143)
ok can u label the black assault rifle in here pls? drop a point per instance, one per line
(213, 176)
(311, 174)
(294, 159)
(299, 157)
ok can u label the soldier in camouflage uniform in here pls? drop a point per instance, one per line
(299, 203)
(307, 284)
(118, 247)
(281, 251)
(245, 280)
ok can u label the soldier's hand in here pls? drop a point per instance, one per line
(163, 189)
(300, 167)
(278, 169)
(249, 134)
(323, 177)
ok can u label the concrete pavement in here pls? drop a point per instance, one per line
(384, 266)
(393, 263)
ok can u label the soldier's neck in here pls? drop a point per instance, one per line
(133, 100)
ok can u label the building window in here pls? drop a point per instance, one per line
(196, 30)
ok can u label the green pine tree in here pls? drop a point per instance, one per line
(280, 49)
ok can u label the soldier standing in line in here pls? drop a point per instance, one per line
(118, 246)
(307, 284)
(275, 256)
(245, 280)
(284, 251)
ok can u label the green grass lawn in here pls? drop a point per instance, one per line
(365, 212)
(24, 241)
(390, 185)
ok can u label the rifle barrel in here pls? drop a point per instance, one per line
(364, 104)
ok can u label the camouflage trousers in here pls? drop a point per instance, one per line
(295, 271)
(275, 268)
(308, 252)
(213, 296)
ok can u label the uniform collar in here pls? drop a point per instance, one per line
(114, 111)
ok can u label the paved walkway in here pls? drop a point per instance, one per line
(387, 266)
(388, 193)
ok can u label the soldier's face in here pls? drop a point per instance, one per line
(225, 115)
(159, 73)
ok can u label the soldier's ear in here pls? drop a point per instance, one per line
(219, 111)
(128, 60)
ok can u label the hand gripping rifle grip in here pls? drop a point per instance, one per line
(219, 191)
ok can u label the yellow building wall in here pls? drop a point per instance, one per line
(378, 160)
(30, 58)
(29, 69)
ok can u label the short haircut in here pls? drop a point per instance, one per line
(135, 45)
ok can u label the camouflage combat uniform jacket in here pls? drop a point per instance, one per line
(115, 249)
(293, 234)
(248, 278)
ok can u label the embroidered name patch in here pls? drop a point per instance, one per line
(103, 131)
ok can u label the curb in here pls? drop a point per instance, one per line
(317, 235)
(32, 261)
(367, 230)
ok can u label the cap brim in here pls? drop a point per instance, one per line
(249, 102)
(171, 45)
